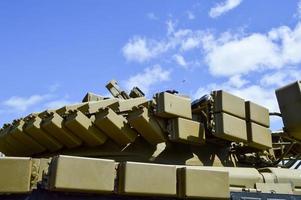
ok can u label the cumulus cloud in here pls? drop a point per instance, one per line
(23, 103)
(222, 8)
(180, 60)
(190, 15)
(258, 51)
(57, 103)
(149, 77)
(141, 49)
(299, 10)
(280, 78)
(152, 16)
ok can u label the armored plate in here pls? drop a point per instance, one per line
(147, 179)
(259, 136)
(258, 114)
(54, 125)
(229, 103)
(83, 127)
(203, 183)
(16, 131)
(128, 104)
(115, 126)
(15, 175)
(80, 174)
(33, 128)
(230, 128)
(93, 107)
(147, 125)
(171, 106)
(185, 130)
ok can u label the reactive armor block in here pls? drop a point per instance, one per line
(230, 128)
(172, 105)
(185, 130)
(259, 136)
(80, 174)
(147, 179)
(147, 125)
(228, 103)
(258, 114)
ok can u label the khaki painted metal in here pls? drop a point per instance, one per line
(279, 188)
(92, 97)
(15, 175)
(289, 100)
(282, 175)
(185, 130)
(32, 128)
(239, 178)
(259, 136)
(80, 174)
(18, 147)
(203, 183)
(147, 125)
(5, 146)
(229, 103)
(53, 124)
(230, 128)
(65, 109)
(171, 106)
(115, 126)
(83, 127)
(147, 179)
(128, 104)
(257, 114)
(17, 132)
(93, 107)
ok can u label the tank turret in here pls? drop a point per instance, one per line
(164, 146)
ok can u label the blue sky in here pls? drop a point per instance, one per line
(53, 52)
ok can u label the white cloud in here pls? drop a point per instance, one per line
(237, 82)
(170, 27)
(280, 78)
(258, 51)
(223, 7)
(190, 15)
(141, 49)
(242, 56)
(152, 16)
(180, 60)
(299, 10)
(54, 87)
(21, 104)
(57, 103)
(149, 77)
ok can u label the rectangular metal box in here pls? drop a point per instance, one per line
(146, 125)
(15, 175)
(289, 100)
(259, 136)
(83, 127)
(80, 174)
(203, 183)
(258, 114)
(185, 130)
(170, 106)
(147, 179)
(228, 103)
(230, 128)
(115, 126)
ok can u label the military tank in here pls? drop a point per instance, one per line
(127, 146)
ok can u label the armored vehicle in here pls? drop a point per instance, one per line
(127, 146)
